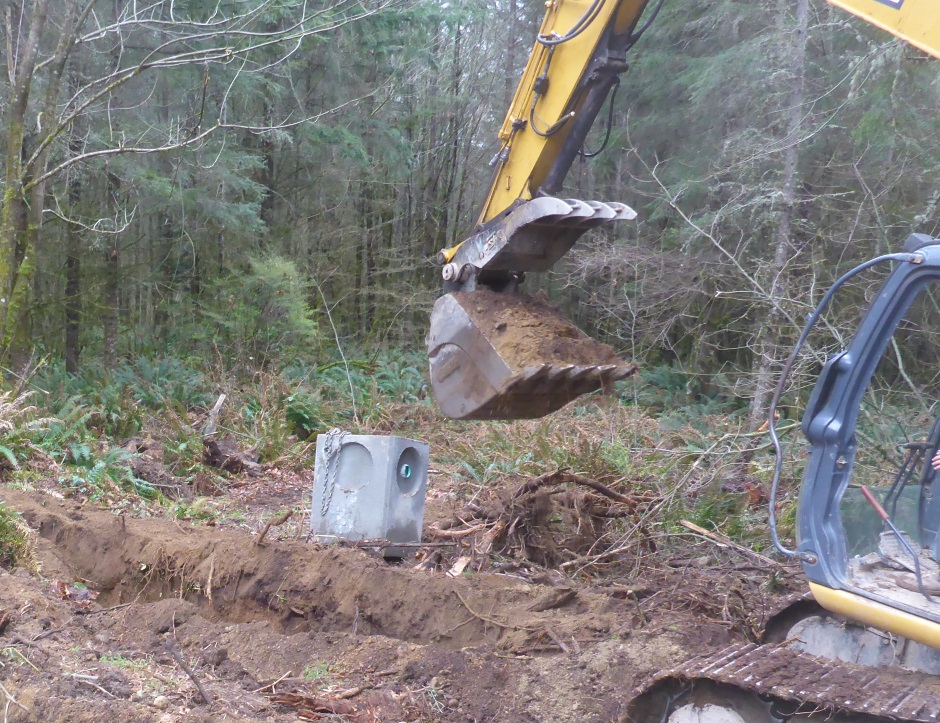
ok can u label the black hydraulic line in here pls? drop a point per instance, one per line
(580, 125)
(610, 125)
(646, 26)
(785, 375)
(552, 129)
(579, 27)
(912, 460)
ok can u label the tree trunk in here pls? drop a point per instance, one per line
(15, 261)
(112, 280)
(768, 332)
(73, 241)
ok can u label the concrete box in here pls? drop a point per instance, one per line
(368, 487)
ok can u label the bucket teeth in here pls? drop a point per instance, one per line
(536, 234)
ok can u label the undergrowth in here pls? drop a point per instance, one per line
(79, 432)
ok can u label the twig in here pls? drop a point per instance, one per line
(90, 612)
(454, 534)
(186, 669)
(271, 685)
(485, 619)
(558, 641)
(339, 347)
(274, 522)
(24, 659)
(721, 540)
(95, 685)
(351, 693)
(13, 700)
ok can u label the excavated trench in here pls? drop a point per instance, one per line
(250, 614)
(294, 585)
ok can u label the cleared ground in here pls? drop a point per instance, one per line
(116, 605)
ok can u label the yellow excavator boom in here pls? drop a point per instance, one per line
(916, 21)
(496, 353)
(548, 98)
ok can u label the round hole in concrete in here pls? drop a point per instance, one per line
(409, 471)
(354, 469)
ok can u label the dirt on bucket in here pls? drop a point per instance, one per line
(527, 331)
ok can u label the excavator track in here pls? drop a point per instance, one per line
(793, 685)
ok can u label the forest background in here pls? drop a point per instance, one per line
(250, 194)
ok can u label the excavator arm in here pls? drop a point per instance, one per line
(494, 352)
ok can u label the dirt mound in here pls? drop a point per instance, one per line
(281, 630)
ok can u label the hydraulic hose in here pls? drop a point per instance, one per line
(811, 322)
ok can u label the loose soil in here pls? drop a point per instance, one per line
(288, 630)
(527, 331)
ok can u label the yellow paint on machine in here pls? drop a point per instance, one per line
(531, 155)
(869, 612)
(916, 21)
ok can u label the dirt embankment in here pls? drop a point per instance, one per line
(273, 630)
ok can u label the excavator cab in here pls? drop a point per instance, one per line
(869, 508)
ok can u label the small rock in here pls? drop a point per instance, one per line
(452, 703)
(214, 656)
(103, 638)
(161, 702)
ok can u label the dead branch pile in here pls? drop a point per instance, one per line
(551, 520)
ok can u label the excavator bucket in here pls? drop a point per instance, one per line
(510, 356)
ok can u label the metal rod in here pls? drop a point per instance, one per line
(897, 533)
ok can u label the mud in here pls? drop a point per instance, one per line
(527, 331)
(91, 635)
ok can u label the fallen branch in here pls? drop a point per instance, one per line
(213, 422)
(274, 522)
(189, 671)
(385, 543)
(98, 612)
(558, 641)
(351, 693)
(308, 705)
(723, 541)
(435, 531)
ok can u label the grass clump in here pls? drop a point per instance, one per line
(15, 547)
